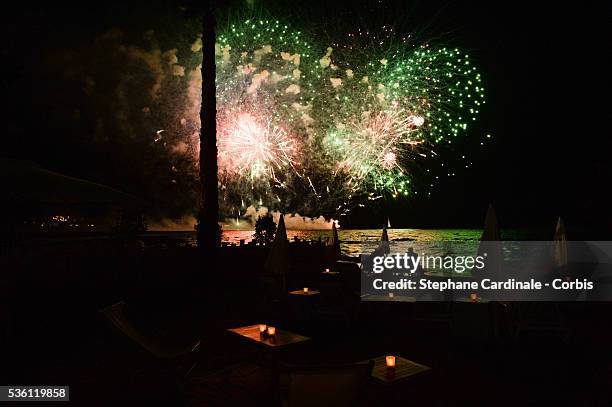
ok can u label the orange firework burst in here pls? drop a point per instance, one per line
(254, 147)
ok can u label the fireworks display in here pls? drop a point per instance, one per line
(370, 150)
(256, 149)
(262, 85)
(304, 127)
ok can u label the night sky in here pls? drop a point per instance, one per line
(543, 66)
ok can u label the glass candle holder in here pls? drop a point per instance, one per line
(262, 328)
(305, 290)
(271, 331)
(390, 360)
(474, 297)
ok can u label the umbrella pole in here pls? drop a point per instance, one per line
(208, 228)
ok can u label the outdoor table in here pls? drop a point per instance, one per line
(475, 320)
(303, 294)
(326, 277)
(303, 304)
(329, 276)
(281, 339)
(386, 298)
(274, 349)
(479, 300)
(404, 369)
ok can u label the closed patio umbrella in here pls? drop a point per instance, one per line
(278, 260)
(490, 231)
(559, 249)
(335, 243)
(384, 241)
(490, 245)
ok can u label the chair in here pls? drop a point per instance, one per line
(323, 385)
(473, 320)
(350, 275)
(337, 303)
(542, 317)
(158, 343)
(439, 313)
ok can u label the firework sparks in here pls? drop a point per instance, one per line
(248, 146)
(369, 150)
(410, 103)
(389, 160)
(361, 118)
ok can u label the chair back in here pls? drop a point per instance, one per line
(149, 338)
(324, 385)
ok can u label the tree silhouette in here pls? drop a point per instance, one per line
(265, 228)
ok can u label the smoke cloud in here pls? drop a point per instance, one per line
(292, 221)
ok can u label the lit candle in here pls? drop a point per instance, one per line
(390, 361)
(327, 270)
(271, 330)
(474, 297)
(305, 290)
(262, 328)
(391, 295)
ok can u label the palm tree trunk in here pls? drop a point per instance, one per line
(208, 230)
